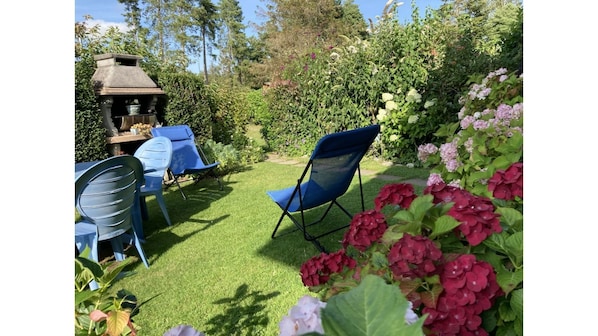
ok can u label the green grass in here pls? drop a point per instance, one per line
(216, 268)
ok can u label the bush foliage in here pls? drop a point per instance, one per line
(334, 88)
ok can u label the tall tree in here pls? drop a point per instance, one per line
(232, 39)
(205, 16)
(293, 29)
(157, 14)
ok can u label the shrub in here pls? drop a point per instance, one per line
(487, 137)
(258, 108)
(189, 102)
(90, 134)
(226, 155)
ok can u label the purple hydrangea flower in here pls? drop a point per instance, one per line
(424, 151)
(433, 179)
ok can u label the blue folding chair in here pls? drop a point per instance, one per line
(332, 166)
(155, 154)
(186, 159)
(106, 196)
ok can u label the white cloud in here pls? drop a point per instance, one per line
(104, 25)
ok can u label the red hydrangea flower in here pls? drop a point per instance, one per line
(506, 184)
(470, 288)
(316, 271)
(442, 192)
(413, 256)
(401, 194)
(476, 215)
(366, 227)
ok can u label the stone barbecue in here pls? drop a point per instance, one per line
(127, 95)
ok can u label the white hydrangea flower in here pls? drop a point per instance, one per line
(303, 318)
(387, 96)
(391, 105)
(393, 137)
(410, 316)
(381, 115)
(413, 96)
(413, 119)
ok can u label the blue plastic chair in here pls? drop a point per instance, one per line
(332, 166)
(186, 159)
(106, 196)
(155, 154)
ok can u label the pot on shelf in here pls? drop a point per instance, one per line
(133, 109)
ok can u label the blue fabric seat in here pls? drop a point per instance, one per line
(186, 158)
(331, 169)
(106, 195)
(155, 154)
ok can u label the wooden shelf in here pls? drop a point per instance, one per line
(126, 137)
(127, 120)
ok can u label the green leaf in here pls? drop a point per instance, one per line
(514, 246)
(113, 269)
(517, 302)
(371, 309)
(496, 242)
(506, 313)
(420, 206)
(501, 162)
(403, 216)
(509, 216)
(86, 271)
(379, 260)
(508, 280)
(443, 225)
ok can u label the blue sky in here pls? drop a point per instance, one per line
(110, 11)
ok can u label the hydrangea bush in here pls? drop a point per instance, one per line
(487, 137)
(456, 251)
(446, 250)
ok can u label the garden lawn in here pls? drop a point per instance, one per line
(216, 268)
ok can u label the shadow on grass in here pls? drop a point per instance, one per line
(162, 240)
(199, 197)
(244, 313)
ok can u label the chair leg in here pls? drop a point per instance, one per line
(277, 225)
(137, 220)
(117, 248)
(176, 180)
(140, 249)
(219, 183)
(143, 204)
(162, 204)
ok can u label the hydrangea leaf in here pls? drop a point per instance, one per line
(509, 216)
(514, 245)
(508, 280)
(517, 302)
(373, 308)
(430, 297)
(420, 206)
(443, 225)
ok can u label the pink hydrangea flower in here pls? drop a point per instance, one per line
(433, 179)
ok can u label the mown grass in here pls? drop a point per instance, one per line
(217, 268)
